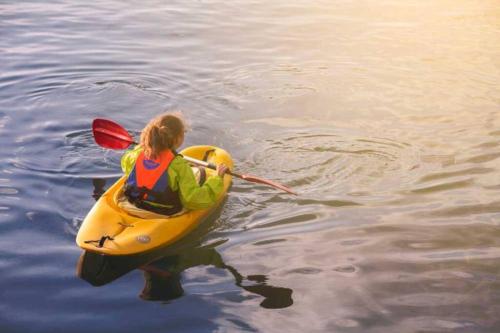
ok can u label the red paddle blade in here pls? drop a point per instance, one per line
(259, 180)
(109, 134)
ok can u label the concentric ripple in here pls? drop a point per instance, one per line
(330, 164)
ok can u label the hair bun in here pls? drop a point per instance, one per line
(161, 133)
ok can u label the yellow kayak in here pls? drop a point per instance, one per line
(108, 229)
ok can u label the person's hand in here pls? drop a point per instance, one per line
(221, 169)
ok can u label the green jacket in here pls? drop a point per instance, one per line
(182, 179)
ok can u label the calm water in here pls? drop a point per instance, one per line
(384, 115)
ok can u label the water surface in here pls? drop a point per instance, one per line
(383, 115)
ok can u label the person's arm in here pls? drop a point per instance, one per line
(192, 195)
(129, 158)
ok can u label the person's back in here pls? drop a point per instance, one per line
(161, 181)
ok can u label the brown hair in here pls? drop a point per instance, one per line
(161, 133)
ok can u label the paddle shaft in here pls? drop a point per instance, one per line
(187, 158)
(210, 166)
(109, 134)
(202, 163)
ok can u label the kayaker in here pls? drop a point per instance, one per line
(159, 180)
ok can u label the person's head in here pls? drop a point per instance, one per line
(166, 131)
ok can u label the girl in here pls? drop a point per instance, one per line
(159, 180)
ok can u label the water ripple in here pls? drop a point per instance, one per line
(318, 163)
(383, 115)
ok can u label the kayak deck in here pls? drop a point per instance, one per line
(109, 230)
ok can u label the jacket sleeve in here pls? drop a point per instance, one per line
(192, 195)
(129, 158)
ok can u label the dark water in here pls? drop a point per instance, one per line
(384, 115)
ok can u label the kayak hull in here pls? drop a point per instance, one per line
(109, 230)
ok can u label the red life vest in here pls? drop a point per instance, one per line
(148, 188)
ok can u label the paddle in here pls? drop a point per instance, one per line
(109, 134)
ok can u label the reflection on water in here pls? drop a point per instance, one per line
(383, 115)
(99, 189)
(162, 277)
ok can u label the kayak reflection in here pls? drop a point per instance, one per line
(162, 277)
(99, 189)
(161, 286)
